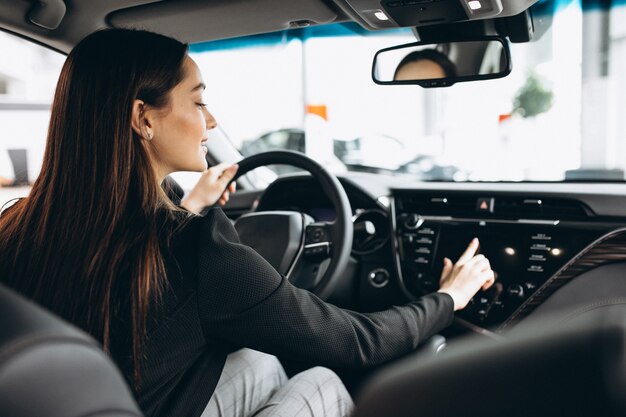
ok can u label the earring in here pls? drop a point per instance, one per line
(149, 135)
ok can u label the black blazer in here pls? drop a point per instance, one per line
(222, 294)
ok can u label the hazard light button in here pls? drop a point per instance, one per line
(485, 205)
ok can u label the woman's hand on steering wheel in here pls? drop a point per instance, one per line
(212, 187)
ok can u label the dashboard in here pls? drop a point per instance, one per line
(538, 237)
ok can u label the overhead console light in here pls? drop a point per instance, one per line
(416, 13)
(380, 15)
(484, 8)
(474, 4)
(377, 18)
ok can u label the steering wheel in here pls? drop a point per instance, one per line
(312, 255)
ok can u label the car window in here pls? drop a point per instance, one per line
(555, 117)
(28, 77)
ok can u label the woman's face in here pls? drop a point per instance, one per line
(424, 69)
(180, 133)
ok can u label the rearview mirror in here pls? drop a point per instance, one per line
(442, 64)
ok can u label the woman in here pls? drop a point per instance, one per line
(170, 294)
(425, 64)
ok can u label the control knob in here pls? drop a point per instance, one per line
(413, 221)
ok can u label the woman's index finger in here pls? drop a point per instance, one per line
(469, 252)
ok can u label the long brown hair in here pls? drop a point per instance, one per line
(87, 236)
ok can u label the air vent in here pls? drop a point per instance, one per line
(554, 208)
(438, 204)
(508, 207)
(371, 231)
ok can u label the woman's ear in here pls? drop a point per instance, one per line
(140, 122)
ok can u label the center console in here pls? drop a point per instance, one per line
(527, 240)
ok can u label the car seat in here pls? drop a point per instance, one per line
(49, 368)
(578, 369)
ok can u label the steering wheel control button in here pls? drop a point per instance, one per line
(516, 291)
(485, 204)
(316, 234)
(317, 251)
(379, 278)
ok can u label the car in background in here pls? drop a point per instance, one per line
(375, 154)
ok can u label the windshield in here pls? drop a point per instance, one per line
(555, 117)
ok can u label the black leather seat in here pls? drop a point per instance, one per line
(578, 369)
(49, 368)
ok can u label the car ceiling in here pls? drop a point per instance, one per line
(201, 20)
(189, 20)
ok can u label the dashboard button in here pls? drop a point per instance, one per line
(408, 238)
(535, 268)
(516, 290)
(541, 247)
(485, 204)
(379, 277)
(530, 285)
(537, 258)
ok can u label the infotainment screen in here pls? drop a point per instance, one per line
(523, 255)
(507, 250)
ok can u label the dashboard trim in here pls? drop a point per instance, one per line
(395, 245)
(476, 220)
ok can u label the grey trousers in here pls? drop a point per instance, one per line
(255, 384)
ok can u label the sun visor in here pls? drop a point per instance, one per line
(393, 13)
(199, 20)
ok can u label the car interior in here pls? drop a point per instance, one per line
(546, 339)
